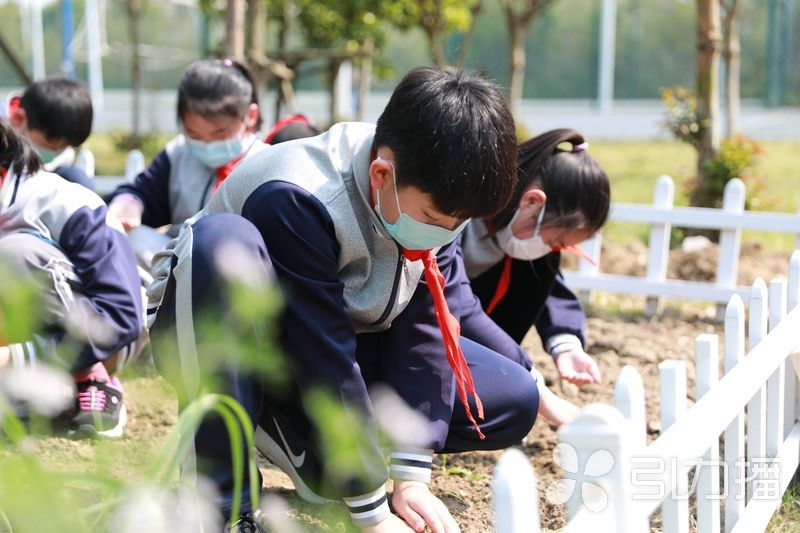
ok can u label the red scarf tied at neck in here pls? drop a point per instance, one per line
(451, 332)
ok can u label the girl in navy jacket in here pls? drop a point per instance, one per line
(512, 259)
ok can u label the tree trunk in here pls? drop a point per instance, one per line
(708, 44)
(475, 11)
(234, 30)
(437, 49)
(134, 8)
(16, 64)
(517, 67)
(433, 24)
(365, 78)
(257, 25)
(334, 103)
(733, 63)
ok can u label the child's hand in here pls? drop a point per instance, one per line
(416, 505)
(128, 210)
(578, 367)
(392, 524)
(554, 408)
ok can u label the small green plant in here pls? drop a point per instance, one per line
(737, 157)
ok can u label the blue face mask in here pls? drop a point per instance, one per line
(412, 234)
(216, 154)
(46, 154)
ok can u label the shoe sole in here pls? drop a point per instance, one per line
(87, 431)
(275, 454)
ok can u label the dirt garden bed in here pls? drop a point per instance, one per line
(618, 334)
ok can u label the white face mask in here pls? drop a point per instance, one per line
(525, 249)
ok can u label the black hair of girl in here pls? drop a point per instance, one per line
(221, 87)
(577, 188)
(17, 151)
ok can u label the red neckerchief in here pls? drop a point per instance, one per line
(505, 276)
(449, 326)
(224, 171)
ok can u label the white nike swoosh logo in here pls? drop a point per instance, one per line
(297, 460)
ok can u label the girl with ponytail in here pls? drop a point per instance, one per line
(513, 258)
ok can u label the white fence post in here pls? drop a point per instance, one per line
(730, 240)
(658, 252)
(629, 399)
(672, 375)
(593, 247)
(515, 494)
(793, 293)
(707, 372)
(134, 164)
(792, 300)
(85, 162)
(600, 437)
(776, 386)
(734, 433)
(757, 408)
(797, 235)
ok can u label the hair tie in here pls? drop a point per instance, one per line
(227, 62)
(582, 147)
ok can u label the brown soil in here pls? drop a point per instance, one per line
(622, 337)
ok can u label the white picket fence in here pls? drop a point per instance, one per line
(662, 215)
(134, 164)
(684, 464)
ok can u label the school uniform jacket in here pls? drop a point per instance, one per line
(73, 219)
(344, 277)
(561, 321)
(176, 185)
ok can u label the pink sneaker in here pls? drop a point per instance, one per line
(100, 409)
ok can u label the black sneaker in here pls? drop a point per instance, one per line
(246, 523)
(285, 448)
(100, 410)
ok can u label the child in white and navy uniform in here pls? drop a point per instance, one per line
(56, 235)
(356, 226)
(218, 111)
(513, 258)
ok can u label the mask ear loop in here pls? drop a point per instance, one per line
(394, 184)
(539, 219)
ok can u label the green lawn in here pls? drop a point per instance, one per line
(634, 167)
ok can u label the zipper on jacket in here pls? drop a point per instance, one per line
(395, 287)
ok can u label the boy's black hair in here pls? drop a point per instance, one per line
(577, 188)
(289, 128)
(60, 108)
(17, 151)
(453, 137)
(221, 87)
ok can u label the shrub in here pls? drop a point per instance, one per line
(737, 157)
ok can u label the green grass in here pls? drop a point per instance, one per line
(787, 517)
(110, 160)
(634, 167)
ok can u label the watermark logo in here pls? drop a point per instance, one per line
(578, 476)
(648, 477)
